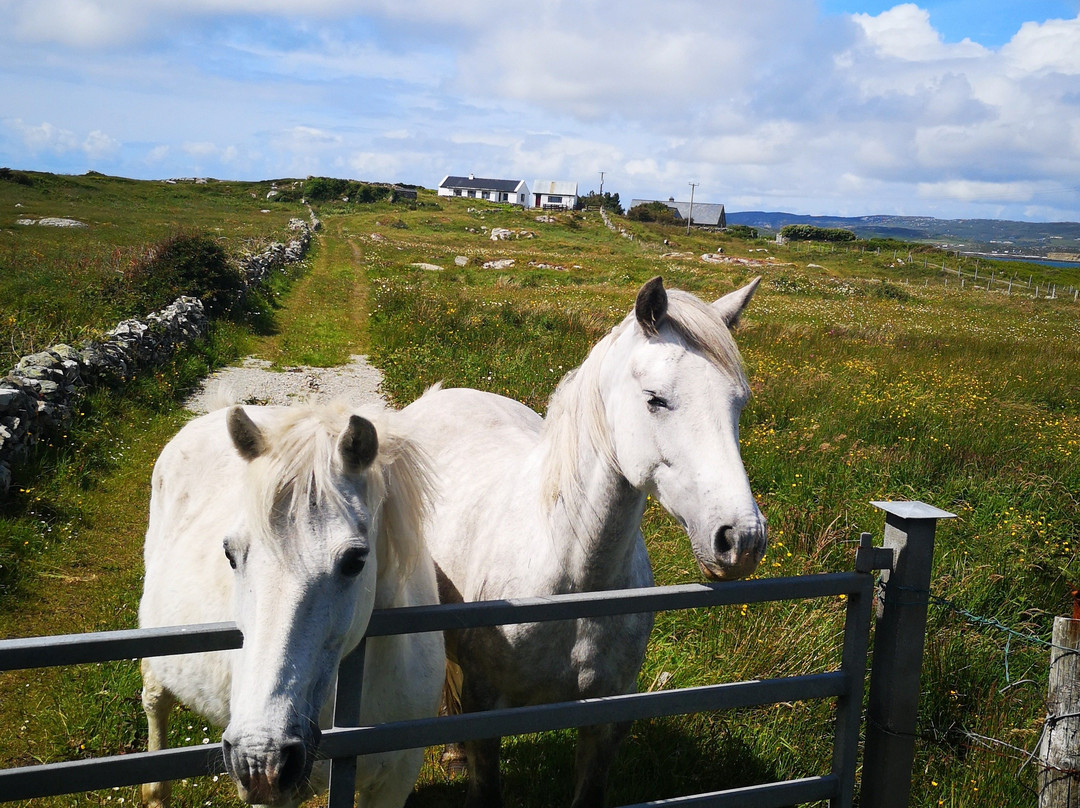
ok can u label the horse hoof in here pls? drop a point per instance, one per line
(454, 761)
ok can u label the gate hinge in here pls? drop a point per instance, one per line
(869, 558)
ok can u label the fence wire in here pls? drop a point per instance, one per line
(988, 743)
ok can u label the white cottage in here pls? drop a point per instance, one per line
(554, 194)
(514, 192)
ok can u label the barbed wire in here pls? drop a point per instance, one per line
(988, 743)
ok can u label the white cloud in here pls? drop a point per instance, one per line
(905, 32)
(98, 145)
(1049, 47)
(770, 101)
(972, 191)
(46, 137)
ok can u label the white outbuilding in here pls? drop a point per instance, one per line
(554, 194)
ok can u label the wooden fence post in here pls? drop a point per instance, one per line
(898, 650)
(1059, 780)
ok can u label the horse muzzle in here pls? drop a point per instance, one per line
(267, 770)
(735, 550)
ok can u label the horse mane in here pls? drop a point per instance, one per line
(301, 465)
(577, 400)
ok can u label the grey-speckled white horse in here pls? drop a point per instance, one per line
(526, 506)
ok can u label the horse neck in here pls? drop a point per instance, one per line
(594, 515)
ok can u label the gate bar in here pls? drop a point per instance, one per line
(106, 646)
(173, 764)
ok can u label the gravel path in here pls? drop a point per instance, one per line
(253, 382)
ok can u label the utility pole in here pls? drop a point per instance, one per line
(690, 218)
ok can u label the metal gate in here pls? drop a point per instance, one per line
(342, 743)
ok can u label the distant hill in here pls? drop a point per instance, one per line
(970, 235)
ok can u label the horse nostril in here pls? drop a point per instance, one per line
(293, 768)
(227, 754)
(722, 542)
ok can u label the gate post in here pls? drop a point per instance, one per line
(350, 683)
(898, 651)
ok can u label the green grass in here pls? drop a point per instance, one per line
(59, 284)
(871, 380)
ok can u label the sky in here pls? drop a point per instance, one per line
(946, 108)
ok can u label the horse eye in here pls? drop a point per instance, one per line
(229, 553)
(353, 561)
(657, 403)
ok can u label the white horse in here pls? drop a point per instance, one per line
(296, 522)
(528, 506)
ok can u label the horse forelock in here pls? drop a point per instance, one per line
(702, 327)
(301, 467)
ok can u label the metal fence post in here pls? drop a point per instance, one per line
(350, 683)
(898, 651)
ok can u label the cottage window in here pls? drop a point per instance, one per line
(457, 192)
(554, 200)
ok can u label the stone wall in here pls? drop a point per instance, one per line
(38, 397)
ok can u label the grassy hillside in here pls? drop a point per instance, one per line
(871, 379)
(63, 283)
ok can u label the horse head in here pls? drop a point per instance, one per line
(303, 553)
(673, 390)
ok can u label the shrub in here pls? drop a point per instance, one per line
(608, 200)
(808, 232)
(18, 177)
(184, 264)
(652, 212)
(742, 231)
(325, 189)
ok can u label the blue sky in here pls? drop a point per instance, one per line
(949, 108)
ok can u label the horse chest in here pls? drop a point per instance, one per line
(540, 662)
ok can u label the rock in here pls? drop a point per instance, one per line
(428, 267)
(461, 260)
(501, 263)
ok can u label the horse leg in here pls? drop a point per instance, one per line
(157, 703)
(453, 757)
(485, 786)
(596, 747)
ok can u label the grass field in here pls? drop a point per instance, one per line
(871, 378)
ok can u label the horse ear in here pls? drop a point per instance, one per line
(359, 444)
(651, 305)
(732, 304)
(246, 436)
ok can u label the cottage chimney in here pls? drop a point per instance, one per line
(471, 177)
(671, 199)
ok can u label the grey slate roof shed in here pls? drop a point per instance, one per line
(705, 214)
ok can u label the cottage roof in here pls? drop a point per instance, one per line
(482, 184)
(555, 187)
